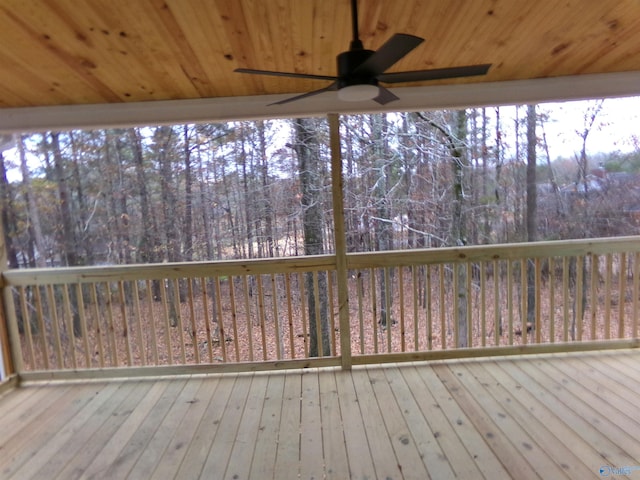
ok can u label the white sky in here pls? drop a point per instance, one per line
(613, 130)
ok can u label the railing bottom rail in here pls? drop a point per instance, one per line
(101, 374)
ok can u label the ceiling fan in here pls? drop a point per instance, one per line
(361, 70)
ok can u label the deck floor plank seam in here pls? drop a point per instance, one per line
(385, 461)
(554, 447)
(601, 384)
(460, 425)
(590, 406)
(333, 436)
(169, 463)
(239, 464)
(222, 446)
(204, 436)
(552, 421)
(56, 412)
(67, 441)
(156, 447)
(607, 450)
(496, 433)
(127, 443)
(359, 453)
(410, 461)
(287, 462)
(264, 456)
(542, 416)
(442, 452)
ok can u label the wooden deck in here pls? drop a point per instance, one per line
(548, 416)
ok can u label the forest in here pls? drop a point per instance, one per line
(257, 189)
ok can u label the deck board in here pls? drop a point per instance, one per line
(543, 416)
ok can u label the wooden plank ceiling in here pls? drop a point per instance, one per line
(69, 52)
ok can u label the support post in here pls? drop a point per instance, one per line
(6, 364)
(340, 241)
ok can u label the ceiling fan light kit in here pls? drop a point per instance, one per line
(358, 93)
(361, 70)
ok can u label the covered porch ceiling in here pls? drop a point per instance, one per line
(89, 63)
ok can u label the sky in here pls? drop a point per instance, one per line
(615, 126)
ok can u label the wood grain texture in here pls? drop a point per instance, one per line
(82, 52)
(546, 416)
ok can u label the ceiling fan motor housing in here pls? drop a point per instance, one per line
(348, 62)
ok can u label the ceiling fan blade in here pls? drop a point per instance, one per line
(385, 96)
(388, 54)
(284, 74)
(435, 74)
(333, 86)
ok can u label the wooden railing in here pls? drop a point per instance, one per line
(403, 305)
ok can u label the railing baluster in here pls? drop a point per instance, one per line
(287, 288)
(111, 330)
(416, 317)
(261, 316)
(192, 318)
(427, 300)
(565, 299)
(234, 316)
(456, 304)
(360, 290)
(403, 346)
(207, 317)
(55, 327)
(469, 305)
(318, 315)
(152, 318)
(126, 332)
(636, 293)
(276, 319)
(178, 313)
(387, 301)
(374, 307)
(524, 305)
(607, 296)
(97, 316)
(306, 334)
(483, 304)
(68, 314)
(167, 324)
(222, 332)
(623, 293)
(247, 308)
(26, 321)
(443, 319)
(538, 297)
(579, 296)
(552, 299)
(138, 316)
(593, 300)
(510, 301)
(497, 313)
(83, 324)
(332, 321)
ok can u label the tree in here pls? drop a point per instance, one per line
(308, 151)
(70, 246)
(532, 209)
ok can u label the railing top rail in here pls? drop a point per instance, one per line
(157, 271)
(559, 248)
(480, 253)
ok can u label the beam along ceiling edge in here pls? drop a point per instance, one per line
(68, 117)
